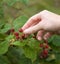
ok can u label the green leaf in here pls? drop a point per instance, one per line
(33, 43)
(4, 60)
(50, 39)
(6, 28)
(25, 1)
(9, 38)
(19, 43)
(16, 56)
(56, 40)
(30, 53)
(2, 36)
(4, 47)
(19, 22)
(57, 55)
(2, 22)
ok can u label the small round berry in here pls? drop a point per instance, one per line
(16, 33)
(17, 37)
(23, 36)
(12, 30)
(44, 55)
(20, 30)
(45, 51)
(41, 45)
(46, 46)
(12, 40)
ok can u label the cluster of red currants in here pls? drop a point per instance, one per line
(44, 46)
(16, 34)
(45, 50)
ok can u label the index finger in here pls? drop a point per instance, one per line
(32, 21)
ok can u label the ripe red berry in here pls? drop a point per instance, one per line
(23, 36)
(45, 52)
(45, 55)
(46, 46)
(17, 37)
(12, 30)
(41, 45)
(20, 30)
(16, 33)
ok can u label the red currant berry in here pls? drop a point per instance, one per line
(46, 46)
(45, 51)
(12, 30)
(17, 37)
(23, 36)
(16, 33)
(20, 30)
(45, 55)
(41, 45)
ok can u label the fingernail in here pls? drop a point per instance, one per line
(39, 38)
(26, 31)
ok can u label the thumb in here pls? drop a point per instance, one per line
(34, 28)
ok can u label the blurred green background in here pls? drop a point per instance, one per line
(14, 8)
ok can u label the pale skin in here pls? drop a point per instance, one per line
(44, 23)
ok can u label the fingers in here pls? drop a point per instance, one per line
(32, 21)
(47, 35)
(34, 28)
(40, 34)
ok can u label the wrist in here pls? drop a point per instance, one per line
(58, 20)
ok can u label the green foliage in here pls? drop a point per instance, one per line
(2, 36)
(19, 43)
(56, 40)
(4, 47)
(34, 44)
(30, 53)
(29, 48)
(4, 60)
(18, 22)
(7, 26)
(25, 51)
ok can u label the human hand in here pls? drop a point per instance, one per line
(45, 21)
